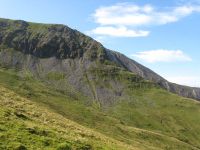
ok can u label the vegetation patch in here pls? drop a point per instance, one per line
(55, 76)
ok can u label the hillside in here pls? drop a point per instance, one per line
(25, 125)
(44, 117)
(43, 48)
(63, 86)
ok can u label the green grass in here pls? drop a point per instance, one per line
(149, 118)
(55, 76)
(105, 73)
(26, 125)
(41, 113)
(161, 112)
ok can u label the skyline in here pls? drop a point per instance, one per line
(162, 36)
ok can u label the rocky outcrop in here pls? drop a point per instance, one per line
(44, 41)
(62, 49)
(148, 74)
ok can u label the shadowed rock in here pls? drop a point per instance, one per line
(43, 48)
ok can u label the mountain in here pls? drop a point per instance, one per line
(57, 44)
(78, 82)
(148, 74)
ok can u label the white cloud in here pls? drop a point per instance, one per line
(122, 14)
(193, 81)
(119, 32)
(130, 17)
(162, 55)
(134, 15)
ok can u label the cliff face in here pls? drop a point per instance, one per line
(148, 74)
(46, 49)
(44, 41)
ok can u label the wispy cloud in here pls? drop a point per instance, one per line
(125, 17)
(119, 32)
(162, 55)
(122, 14)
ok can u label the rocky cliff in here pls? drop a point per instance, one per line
(59, 51)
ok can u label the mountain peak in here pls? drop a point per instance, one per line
(47, 41)
(44, 40)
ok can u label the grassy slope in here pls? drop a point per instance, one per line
(26, 125)
(151, 119)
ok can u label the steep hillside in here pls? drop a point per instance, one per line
(52, 76)
(43, 48)
(150, 118)
(25, 125)
(148, 74)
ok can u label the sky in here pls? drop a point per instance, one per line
(163, 35)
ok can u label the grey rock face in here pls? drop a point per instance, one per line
(45, 48)
(44, 41)
(148, 74)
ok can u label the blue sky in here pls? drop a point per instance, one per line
(160, 34)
